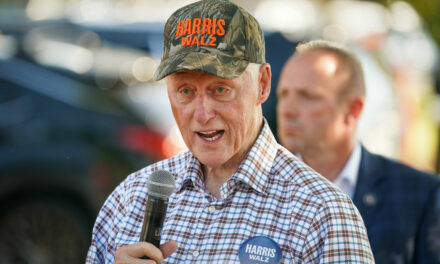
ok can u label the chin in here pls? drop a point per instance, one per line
(211, 160)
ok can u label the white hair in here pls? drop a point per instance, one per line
(254, 70)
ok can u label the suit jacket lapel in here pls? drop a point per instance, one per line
(369, 190)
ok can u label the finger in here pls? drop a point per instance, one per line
(150, 251)
(131, 260)
(139, 250)
(168, 248)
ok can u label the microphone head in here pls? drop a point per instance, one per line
(161, 184)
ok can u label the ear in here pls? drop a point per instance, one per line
(264, 82)
(355, 107)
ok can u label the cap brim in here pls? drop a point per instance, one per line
(222, 66)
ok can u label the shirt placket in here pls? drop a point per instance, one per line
(203, 226)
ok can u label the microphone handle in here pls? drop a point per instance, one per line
(153, 220)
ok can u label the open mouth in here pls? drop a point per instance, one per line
(211, 135)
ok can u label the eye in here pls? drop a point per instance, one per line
(308, 96)
(185, 94)
(185, 91)
(220, 89)
(222, 92)
(282, 93)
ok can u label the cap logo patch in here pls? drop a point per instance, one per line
(209, 27)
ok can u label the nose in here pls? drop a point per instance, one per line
(204, 109)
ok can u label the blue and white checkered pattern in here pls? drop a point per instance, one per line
(271, 194)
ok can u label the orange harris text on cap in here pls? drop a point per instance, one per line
(210, 26)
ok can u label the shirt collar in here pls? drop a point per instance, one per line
(254, 169)
(189, 174)
(347, 178)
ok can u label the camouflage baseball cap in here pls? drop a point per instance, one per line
(212, 36)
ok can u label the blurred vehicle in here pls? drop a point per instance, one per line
(65, 144)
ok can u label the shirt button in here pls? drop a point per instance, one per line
(211, 209)
(195, 254)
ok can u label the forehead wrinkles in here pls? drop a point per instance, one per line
(194, 77)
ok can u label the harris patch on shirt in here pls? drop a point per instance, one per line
(259, 249)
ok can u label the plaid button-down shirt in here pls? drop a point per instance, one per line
(271, 194)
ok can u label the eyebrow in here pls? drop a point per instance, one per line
(281, 89)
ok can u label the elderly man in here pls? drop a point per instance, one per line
(239, 195)
(320, 98)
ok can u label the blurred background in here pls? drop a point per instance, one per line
(79, 112)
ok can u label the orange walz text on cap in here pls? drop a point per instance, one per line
(187, 29)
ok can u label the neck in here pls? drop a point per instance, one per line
(329, 163)
(215, 177)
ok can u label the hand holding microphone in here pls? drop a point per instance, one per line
(160, 186)
(134, 252)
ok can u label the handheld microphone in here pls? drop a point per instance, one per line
(160, 186)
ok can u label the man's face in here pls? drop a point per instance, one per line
(310, 118)
(218, 118)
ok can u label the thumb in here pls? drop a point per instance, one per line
(168, 248)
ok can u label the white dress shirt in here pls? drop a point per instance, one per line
(347, 179)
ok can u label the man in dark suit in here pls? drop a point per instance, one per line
(321, 95)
